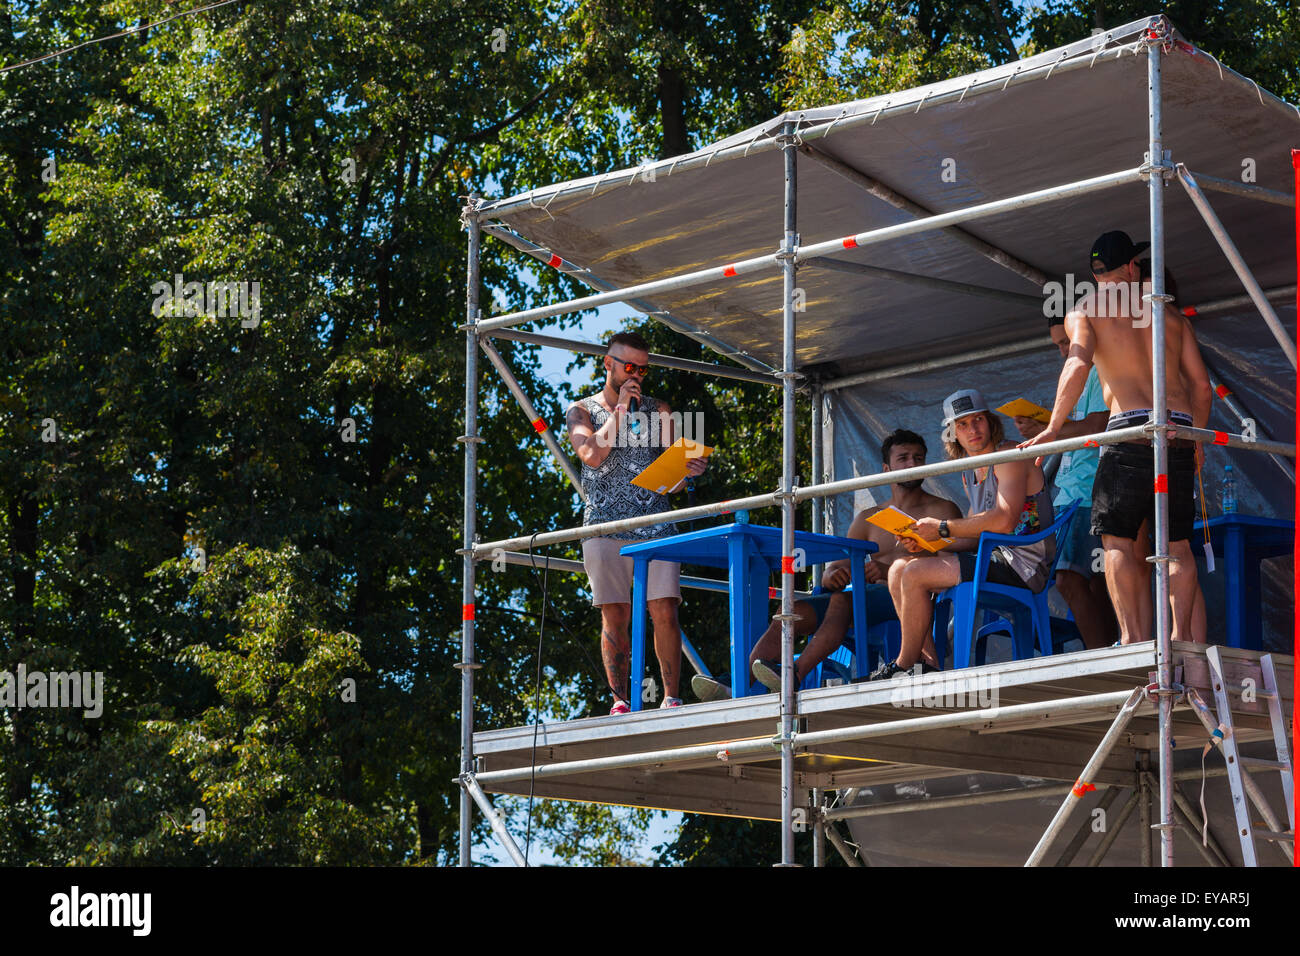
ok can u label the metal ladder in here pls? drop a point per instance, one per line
(1240, 782)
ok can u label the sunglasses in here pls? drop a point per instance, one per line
(630, 367)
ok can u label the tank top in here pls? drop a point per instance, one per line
(1030, 561)
(611, 496)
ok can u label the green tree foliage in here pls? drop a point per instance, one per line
(1257, 38)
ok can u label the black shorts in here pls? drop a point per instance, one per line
(999, 571)
(1123, 493)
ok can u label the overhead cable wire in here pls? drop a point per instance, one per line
(114, 36)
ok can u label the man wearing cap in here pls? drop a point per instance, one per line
(1084, 591)
(1009, 498)
(1115, 338)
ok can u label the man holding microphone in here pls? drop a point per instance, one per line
(615, 444)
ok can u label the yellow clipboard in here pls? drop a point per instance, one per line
(900, 523)
(670, 467)
(1026, 409)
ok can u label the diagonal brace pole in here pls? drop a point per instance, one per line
(1081, 785)
(493, 816)
(538, 422)
(1238, 263)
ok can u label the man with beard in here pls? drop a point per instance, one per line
(599, 428)
(827, 617)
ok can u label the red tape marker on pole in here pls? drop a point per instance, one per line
(787, 564)
(1220, 438)
(1080, 788)
(554, 261)
(467, 612)
(540, 425)
(1162, 484)
(1223, 391)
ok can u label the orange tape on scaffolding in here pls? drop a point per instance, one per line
(729, 270)
(1162, 484)
(467, 612)
(850, 243)
(1080, 788)
(540, 425)
(787, 564)
(1223, 391)
(554, 261)
(1220, 438)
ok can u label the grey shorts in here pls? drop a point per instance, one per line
(610, 573)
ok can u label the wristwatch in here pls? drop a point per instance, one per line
(943, 529)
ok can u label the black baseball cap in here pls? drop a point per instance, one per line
(1114, 249)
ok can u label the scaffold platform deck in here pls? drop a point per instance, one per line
(1040, 718)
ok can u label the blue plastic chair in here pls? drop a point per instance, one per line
(885, 636)
(1027, 610)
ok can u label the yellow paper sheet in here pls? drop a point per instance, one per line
(900, 522)
(1026, 409)
(670, 467)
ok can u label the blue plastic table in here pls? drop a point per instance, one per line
(750, 553)
(1241, 542)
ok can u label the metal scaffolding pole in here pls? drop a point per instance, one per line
(469, 786)
(789, 246)
(819, 828)
(485, 550)
(1094, 706)
(819, 249)
(1133, 701)
(1244, 189)
(1237, 262)
(536, 420)
(818, 504)
(841, 847)
(1022, 344)
(1160, 449)
(664, 361)
(471, 439)
(590, 279)
(893, 197)
(1243, 415)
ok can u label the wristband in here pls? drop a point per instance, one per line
(943, 529)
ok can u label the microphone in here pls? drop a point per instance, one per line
(632, 406)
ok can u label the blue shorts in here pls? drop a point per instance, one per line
(880, 607)
(1081, 546)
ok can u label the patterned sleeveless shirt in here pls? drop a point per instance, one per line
(611, 496)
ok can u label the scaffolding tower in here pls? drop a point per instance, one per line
(722, 757)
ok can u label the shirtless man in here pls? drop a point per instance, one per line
(1109, 335)
(827, 617)
(1010, 498)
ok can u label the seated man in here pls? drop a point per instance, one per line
(1010, 498)
(828, 616)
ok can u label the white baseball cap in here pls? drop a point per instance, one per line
(968, 401)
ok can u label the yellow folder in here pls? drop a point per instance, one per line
(1026, 409)
(900, 523)
(670, 467)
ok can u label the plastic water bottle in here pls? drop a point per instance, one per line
(1229, 491)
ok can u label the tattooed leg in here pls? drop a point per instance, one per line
(615, 646)
(668, 642)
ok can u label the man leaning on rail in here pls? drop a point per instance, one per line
(605, 433)
(1112, 332)
(1009, 498)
